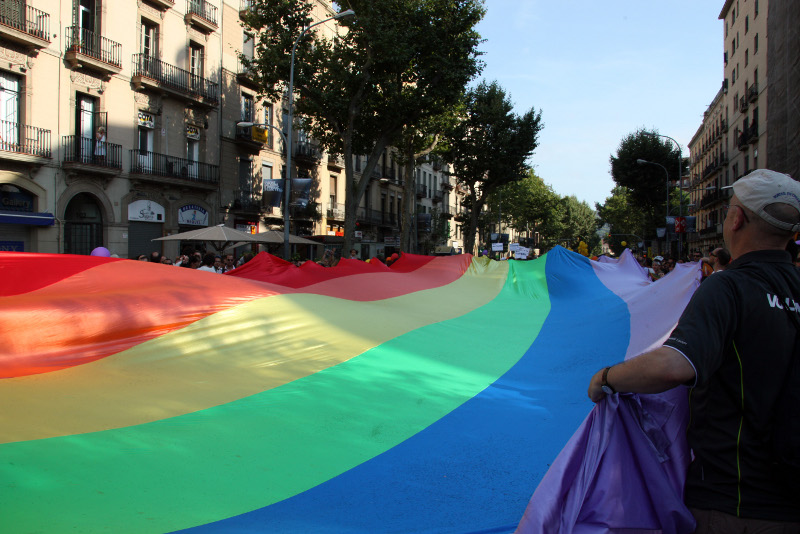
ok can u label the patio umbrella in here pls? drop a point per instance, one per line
(219, 236)
(273, 237)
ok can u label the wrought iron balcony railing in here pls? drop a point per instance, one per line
(89, 151)
(171, 77)
(24, 139)
(335, 211)
(143, 162)
(93, 45)
(202, 9)
(25, 18)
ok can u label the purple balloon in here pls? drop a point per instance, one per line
(101, 251)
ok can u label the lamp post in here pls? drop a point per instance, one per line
(288, 137)
(248, 124)
(645, 162)
(680, 182)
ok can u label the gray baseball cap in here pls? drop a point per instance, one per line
(763, 187)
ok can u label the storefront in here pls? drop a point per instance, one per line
(18, 221)
(145, 223)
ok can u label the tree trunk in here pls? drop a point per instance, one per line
(409, 192)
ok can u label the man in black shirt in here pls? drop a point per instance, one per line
(733, 345)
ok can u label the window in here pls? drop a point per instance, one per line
(245, 176)
(86, 15)
(746, 164)
(90, 128)
(756, 12)
(149, 39)
(196, 65)
(144, 141)
(9, 111)
(193, 156)
(746, 25)
(266, 171)
(247, 108)
(196, 60)
(746, 56)
(268, 122)
(248, 46)
(333, 191)
(755, 44)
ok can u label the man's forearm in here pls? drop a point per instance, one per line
(653, 372)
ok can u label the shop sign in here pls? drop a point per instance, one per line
(16, 201)
(192, 132)
(146, 211)
(146, 120)
(259, 134)
(192, 215)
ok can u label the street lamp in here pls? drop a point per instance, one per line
(645, 162)
(680, 182)
(249, 124)
(288, 137)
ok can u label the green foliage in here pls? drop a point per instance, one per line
(489, 148)
(647, 184)
(396, 63)
(623, 218)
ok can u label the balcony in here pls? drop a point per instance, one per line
(447, 186)
(388, 219)
(88, 155)
(163, 4)
(154, 74)
(308, 151)
(713, 197)
(743, 104)
(752, 134)
(87, 49)
(335, 211)
(368, 216)
(244, 75)
(24, 143)
(438, 196)
(752, 93)
(244, 7)
(335, 161)
(24, 24)
(251, 138)
(422, 191)
(161, 168)
(245, 201)
(201, 15)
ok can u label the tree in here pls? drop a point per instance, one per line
(417, 142)
(398, 63)
(580, 223)
(647, 185)
(623, 219)
(489, 148)
(528, 205)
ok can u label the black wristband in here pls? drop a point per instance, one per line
(607, 388)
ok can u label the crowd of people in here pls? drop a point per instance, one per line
(202, 261)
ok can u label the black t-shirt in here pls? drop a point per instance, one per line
(738, 336)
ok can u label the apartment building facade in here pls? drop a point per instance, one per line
(740, 130)
(127, 121)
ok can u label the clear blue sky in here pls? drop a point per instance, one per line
(600, 70)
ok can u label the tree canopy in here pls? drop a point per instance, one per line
(397, 62)
(489, 148)
(647, 184)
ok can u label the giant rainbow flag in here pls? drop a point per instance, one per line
(435, 395)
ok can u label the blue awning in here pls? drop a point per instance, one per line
(26, 217)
